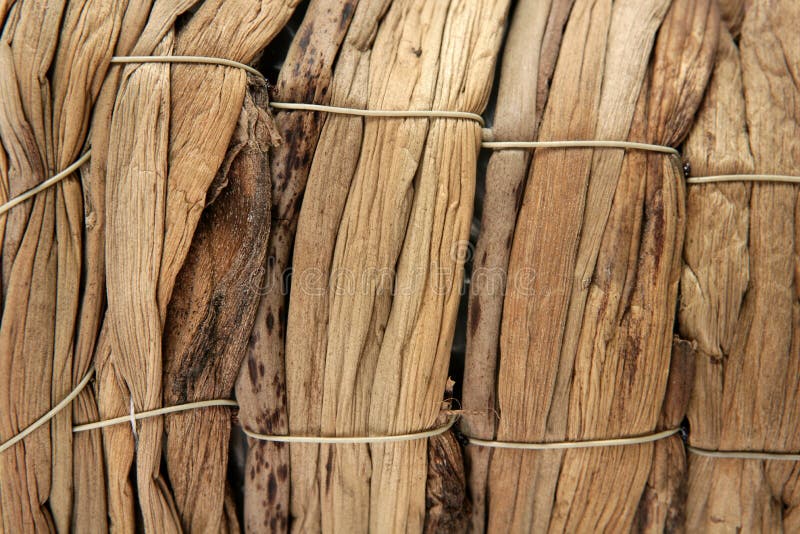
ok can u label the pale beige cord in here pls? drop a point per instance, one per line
(195, 60)
(356, 439)
(133, 417)
(745, 455)
(506, 145)
(560, 445)
(46, 184)
(776, 178)
(52, 413)
(387, 113)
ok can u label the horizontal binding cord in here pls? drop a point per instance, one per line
(561, 445)
(507, 145)
(746, 455)
(387, 113)
(333, 440)
(154, 413)
(195, 60)
(721, 178)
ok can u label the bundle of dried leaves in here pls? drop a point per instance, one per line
(740, 303)
(586, 320)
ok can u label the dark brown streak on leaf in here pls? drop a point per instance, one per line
(211, 314)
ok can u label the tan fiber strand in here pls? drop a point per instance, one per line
(504, 145)
(720, 178)
(746, 455)
(561, 445)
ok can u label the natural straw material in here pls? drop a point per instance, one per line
(529, 58)
(261, 386)
(171, 128)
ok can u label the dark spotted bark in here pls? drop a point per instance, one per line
(261, 388)
(210, 317)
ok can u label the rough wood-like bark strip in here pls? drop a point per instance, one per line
(91, 510)
(139, 36)
(402, 75)
(447, 505)
(513, 475)
(529, 58)
(26, 168)
(261, 389)
(210, 317)
(740, 282)
(662, 507)
(135, 225)
(75, 50)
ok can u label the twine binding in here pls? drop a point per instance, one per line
(195, 60)
(49, 415)
(506, 145)
(562, 445)
(136, 416)
(50, 182)
(723, 178)
(133, 416)
(746, 455)
(334, 440)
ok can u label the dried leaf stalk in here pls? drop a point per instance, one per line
(740, 302)
(592, 281)
(364, 358)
